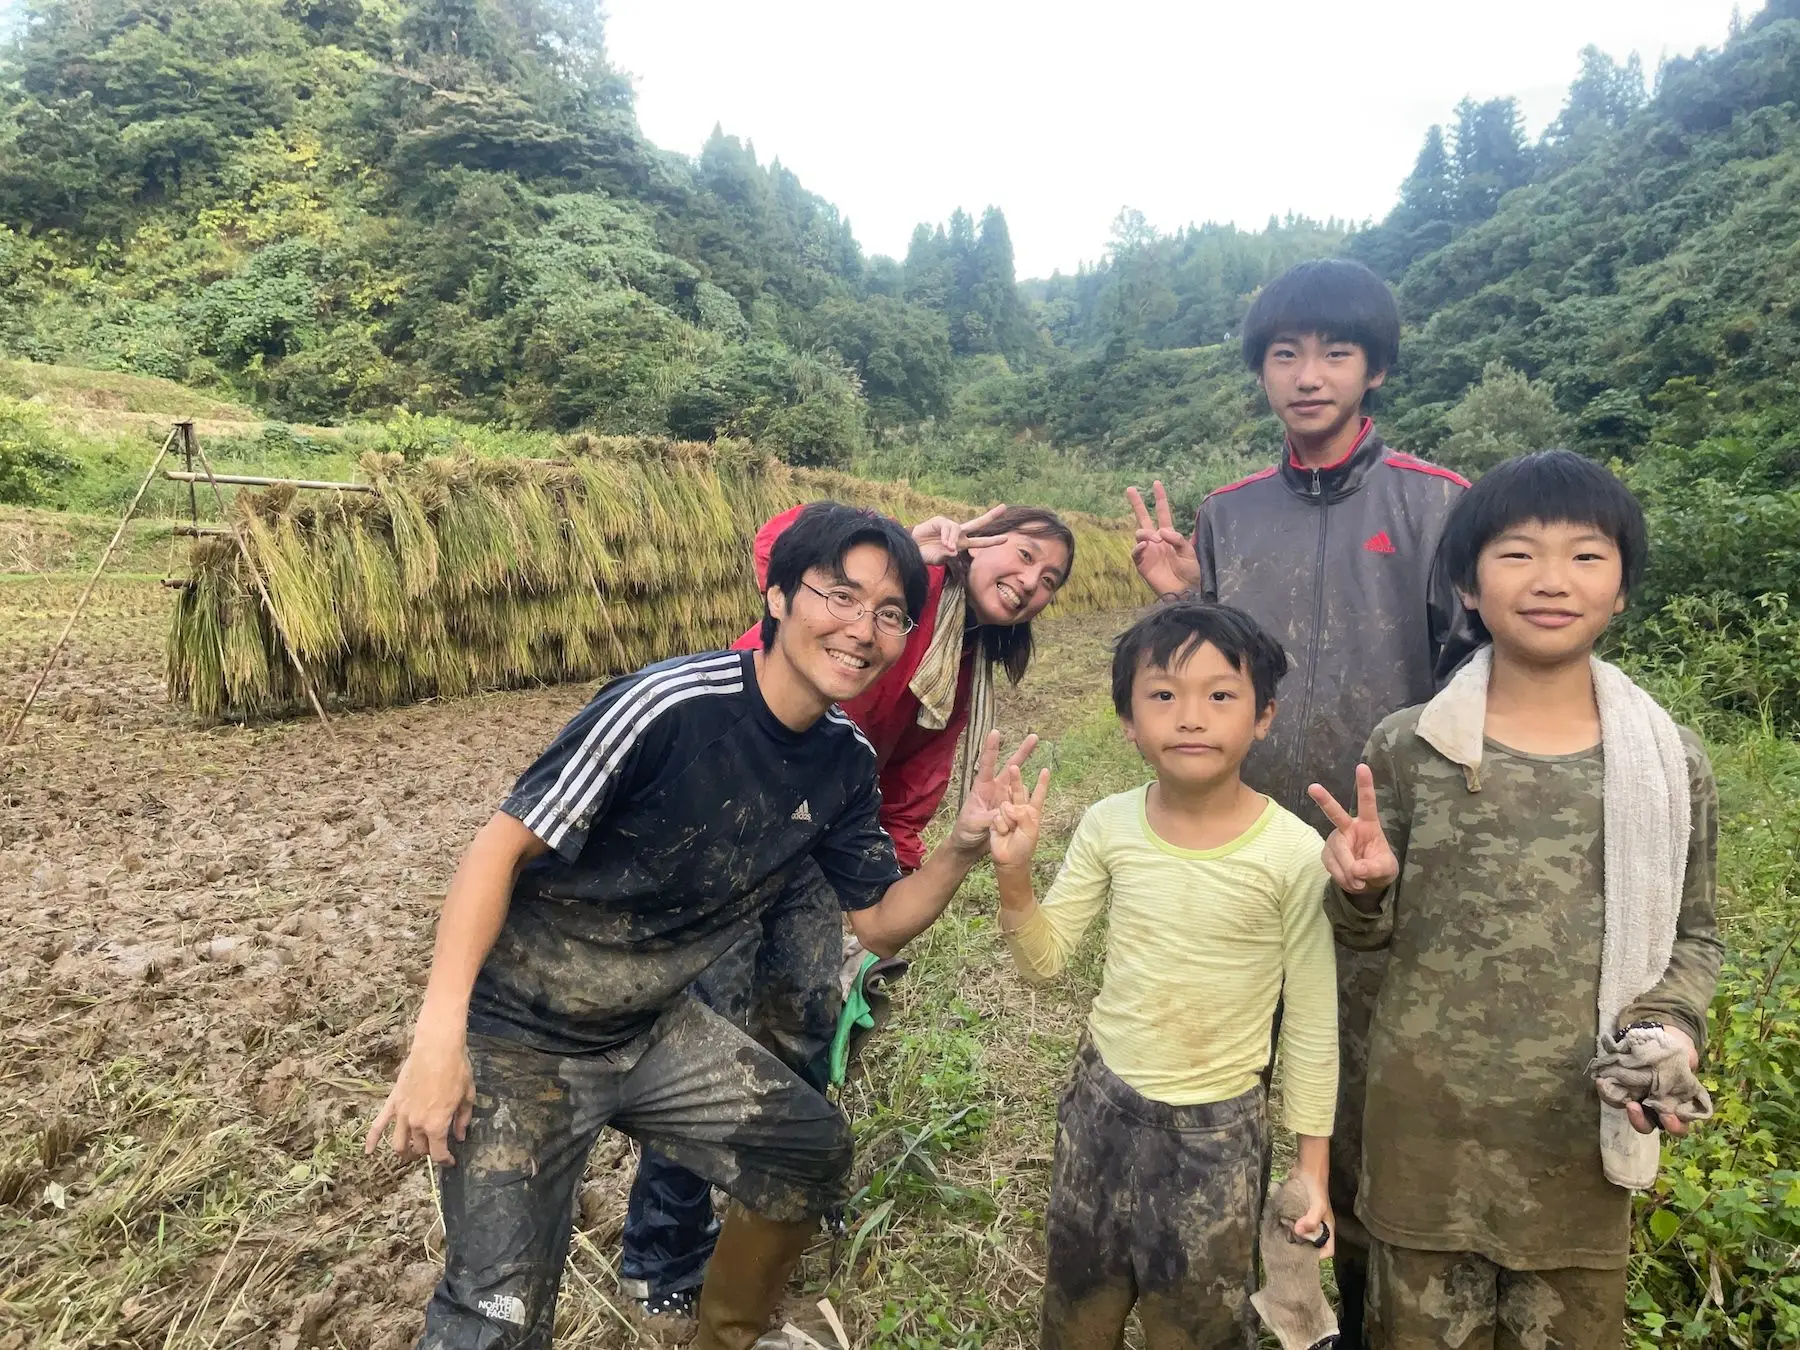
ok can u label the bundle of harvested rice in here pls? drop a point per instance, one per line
(462, 573)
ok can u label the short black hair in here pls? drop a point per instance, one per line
(820, 536)
(1333, 297)
(1553, 486)
(1168, 633)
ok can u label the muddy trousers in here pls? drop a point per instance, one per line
(1426, 1300)
(1359, 982)
(1152, 1206)
(780, 984)
(693, 1086)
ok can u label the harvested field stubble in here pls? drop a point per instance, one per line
(219, 940)
(461, 574)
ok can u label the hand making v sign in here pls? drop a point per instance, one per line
(1357, 854)
(991, 791)
(940, 539)
(1164, 556)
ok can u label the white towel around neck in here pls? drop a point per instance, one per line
(1648, 818)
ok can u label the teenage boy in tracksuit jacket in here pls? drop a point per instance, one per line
(1332, 550)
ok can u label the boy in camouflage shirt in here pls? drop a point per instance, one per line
(1479, 859)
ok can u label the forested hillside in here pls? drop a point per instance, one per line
(336, 209)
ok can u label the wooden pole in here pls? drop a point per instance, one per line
(93, 581)
(256, 480)
(187, 450)
(256, 576)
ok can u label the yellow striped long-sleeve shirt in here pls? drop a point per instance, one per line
(1200, 946)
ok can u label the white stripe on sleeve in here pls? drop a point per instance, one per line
(836, 714)
(572, 782)
(625, 738)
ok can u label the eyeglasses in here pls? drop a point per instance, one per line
(842, 605)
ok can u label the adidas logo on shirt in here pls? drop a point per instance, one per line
(802, 812)
(1379, 543)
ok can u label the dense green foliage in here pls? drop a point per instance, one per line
(334, 208)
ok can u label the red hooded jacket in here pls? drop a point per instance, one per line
(913, 763)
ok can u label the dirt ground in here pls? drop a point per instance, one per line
(217, 940)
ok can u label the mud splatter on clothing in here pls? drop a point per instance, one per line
(1151, 1206)
(1338, 563)
(1462, 1301)
(1482, 1130)
(693, 1086)
(780, 985)
(678, 809)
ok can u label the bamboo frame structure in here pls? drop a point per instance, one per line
(93, 581)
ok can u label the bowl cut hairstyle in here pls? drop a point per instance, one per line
(1166, 636)
(1551, 486)
(1338, 299)
(821, 536)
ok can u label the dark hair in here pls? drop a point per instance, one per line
(1171, 632)
(820, 536)
(1009, 645)
(1333, 297)
(1553, 486)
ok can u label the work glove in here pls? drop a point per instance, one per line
(864, 979)
(1291, 1302)
(1644, 1063)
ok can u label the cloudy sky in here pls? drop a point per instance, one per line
(1062, 113)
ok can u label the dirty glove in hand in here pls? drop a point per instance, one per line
(865, 1006)
(1648, 1065)
(1291, 1302)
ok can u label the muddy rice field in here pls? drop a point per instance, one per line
(216, 941)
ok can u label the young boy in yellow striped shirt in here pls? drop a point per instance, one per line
(1216, 913)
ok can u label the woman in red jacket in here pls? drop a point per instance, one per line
(989, 577)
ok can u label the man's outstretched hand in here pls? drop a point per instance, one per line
(1164, 556)
(1357, 854)
(431, 1101)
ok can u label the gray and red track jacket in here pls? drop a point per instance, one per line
(1339, 564)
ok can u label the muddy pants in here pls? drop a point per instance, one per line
(1428, 1300)
(693, 1086)
(1154, 1206)
(780, 984)
(1359, 981)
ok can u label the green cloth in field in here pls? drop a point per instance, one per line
(856, 1013)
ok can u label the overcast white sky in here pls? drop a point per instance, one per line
(1062, 113)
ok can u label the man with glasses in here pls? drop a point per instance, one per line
(660, 827)
(986, 580)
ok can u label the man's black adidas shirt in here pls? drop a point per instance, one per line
(677, 807)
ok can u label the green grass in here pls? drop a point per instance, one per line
(105, 428)
(112, 390)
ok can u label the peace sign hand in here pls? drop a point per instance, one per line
(940, 539)
(988, 793)
(1357, 854)
(1164, 556)
(1013, 835)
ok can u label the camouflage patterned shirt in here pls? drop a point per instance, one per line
(1481, 1131)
